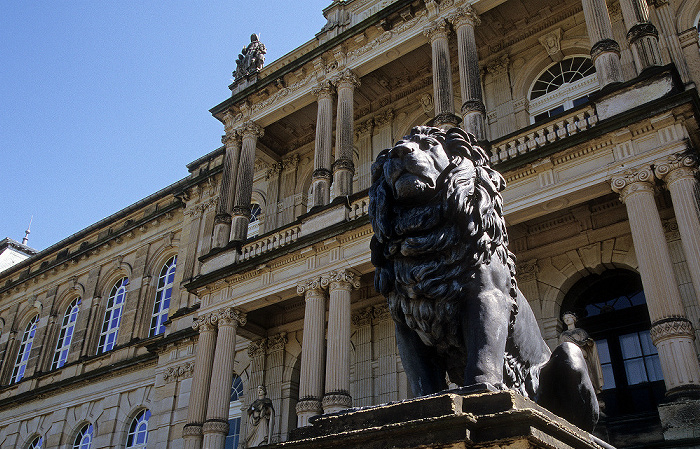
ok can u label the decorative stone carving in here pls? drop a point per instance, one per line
(552, 43)
(604, 46)
(231, 317)
(426, 102)
(205, 323)
(257, 348)
(580, 338)
(631, 181)
(179, 372)
(676, 166)
(434, 250)
(465, 15)
(671, 328)
(251, 59)
(437, 29)
(527, 270)
(261, 415)
(277, 342)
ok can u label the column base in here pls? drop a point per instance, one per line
(192, 434)
(222, 231)
(336, 402)
(679, 419)
(475, 123)
(239, 224)
(320, 187)
(446, 120)
(306, 409)
(215, 432)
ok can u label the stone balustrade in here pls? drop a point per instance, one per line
(269, 242)
(548, 132)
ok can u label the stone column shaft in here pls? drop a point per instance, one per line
(244, 182)
(199, 394)
(678, 172)
(473, 109)
(641, 35)
(344, 167)
(667, 26)
(312, 353)
(442, 74)
(227, 192)
(671, 331)
(337, 396)
(605, 51)
(215, 427)
(321, 177)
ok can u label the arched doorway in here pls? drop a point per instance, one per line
(612, 308)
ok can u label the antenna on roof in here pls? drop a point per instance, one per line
(27, 232)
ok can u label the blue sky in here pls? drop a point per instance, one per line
(103, 103)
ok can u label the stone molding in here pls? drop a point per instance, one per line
(344, 164)
(632, 181)
(201, 208)
(192, 430)
(337, 399)
(465, 15)
(671, 328)
(473, 106)
(241, 211)
(179, 372)
(447, 118)
(215, 426)
(552, 44)
(346, 79)
(499, 66)
(309, 405)
(604, 46)
(321, 173)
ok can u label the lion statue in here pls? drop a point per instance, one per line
(440, 249)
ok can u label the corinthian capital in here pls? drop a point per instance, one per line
(346, 79)
(632, 181)
(676, 166)
(232, 137)
(465, 15)
(323, 90)
(438, 29)
(309, 285)
(205, 323)
(250, 129)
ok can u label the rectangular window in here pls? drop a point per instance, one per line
(606, 364)
(640, 358)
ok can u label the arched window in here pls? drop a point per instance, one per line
(612, 309)
(562, 86)
(163, 293)
(234, 414)
(83, 440)
(113, 316)
(138, 431)
(25, 348)
(65, 335)
(36, 443)
(255, 215)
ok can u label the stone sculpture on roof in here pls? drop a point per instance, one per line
(251, 59)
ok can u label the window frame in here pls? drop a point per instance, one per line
(235, 419)
(86, 430)
(36, 443)
(134, 431)
(25, 348)
(113, 312)
(161, 304)
(65, 335)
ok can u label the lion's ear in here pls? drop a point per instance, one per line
(377, 170)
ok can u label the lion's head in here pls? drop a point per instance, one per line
(437, 213)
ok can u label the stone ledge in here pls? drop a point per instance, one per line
(455, 419)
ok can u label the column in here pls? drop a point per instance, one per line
(473, 109)
(312, 352)
(227, 191)
(337, 395)
(678, 171)
(343, 167)
(240, 216)
(641, 34)
(605, 51)
(321, 177)
(671, 331)
(215, 428)
(667, 27)
(197, 406)
(442, 75)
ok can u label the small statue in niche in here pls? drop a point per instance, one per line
(260, 420)
(580, 338)
(251, 59)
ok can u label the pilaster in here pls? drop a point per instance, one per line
(240, 216)
(337, 392)
(437, 32)
(670, 326)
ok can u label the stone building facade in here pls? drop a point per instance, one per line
(162, 319)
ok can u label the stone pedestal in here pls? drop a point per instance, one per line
(680, 419)
(454, 419)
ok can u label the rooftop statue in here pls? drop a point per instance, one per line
(251, 59)
(442, 261)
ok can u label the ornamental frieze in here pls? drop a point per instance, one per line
(179, 372)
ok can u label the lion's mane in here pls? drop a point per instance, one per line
(425, 254)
